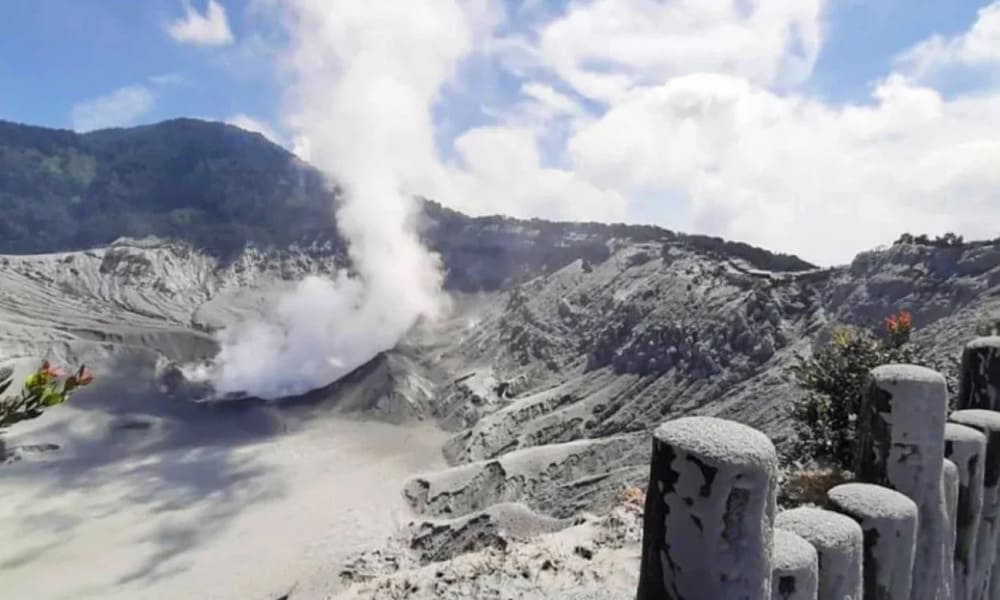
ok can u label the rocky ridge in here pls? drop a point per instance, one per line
(567, 344)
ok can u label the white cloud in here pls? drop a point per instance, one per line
(606, 47)
(501, 172)
(245, 121)
(979, 46)
(793, 174)
(546, 103)
(302, 147)
(209, 29)
(702, 104)
(167, 79)
(121, 107)
(701, 113)
(698, 102)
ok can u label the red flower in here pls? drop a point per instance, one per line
(899, 322)
(48, 372)
(84, 376)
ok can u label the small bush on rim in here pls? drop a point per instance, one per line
(834, 379)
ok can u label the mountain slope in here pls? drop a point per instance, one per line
(578, 330)
(568, 342)
(211, 184)
(219, 188)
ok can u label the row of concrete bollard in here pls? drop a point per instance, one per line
(921, 522)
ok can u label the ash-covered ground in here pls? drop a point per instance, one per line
(492, 454)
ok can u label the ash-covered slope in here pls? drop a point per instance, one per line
(151, 298)
(554, 384)
(567, 343)
(656, 330)
(603, 337)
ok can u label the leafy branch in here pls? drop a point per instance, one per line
(45, 388)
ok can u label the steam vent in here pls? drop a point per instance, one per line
(921, 520)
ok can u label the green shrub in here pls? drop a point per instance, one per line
(834, 379)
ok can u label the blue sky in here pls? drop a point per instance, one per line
(865, 35)
(770, 121)
(62, 52)
(71, 51)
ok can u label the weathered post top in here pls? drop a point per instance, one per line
(726, 442)
(901, 445)
(889, 521)
(962, 436)
(988, 534)
(707, 530)
(988, 422)
(838, 541)
(872, 502)
(966, 447)
(795, 567)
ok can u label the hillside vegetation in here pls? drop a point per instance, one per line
(219, 187)
(211, 184)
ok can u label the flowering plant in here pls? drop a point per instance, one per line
(899, 327)
(43, 389)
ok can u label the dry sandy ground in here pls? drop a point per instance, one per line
(151, 508)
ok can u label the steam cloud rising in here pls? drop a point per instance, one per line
(364, 77)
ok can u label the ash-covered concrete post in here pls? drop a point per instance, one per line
(838, 540)
(949, 488)
(889, 522)
(707, 529)
(987, 422)
(966, 447)
(901, 445)
(794, 567)
(980, 386)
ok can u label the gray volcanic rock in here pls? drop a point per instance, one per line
(495, 527)
(585, 345)
(594, 559)
(150, 297)
(568, 344)
(560, 480)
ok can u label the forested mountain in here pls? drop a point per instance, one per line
(214, 185)
(219, 187)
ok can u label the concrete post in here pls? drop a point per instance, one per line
(839, 543)
(966, 447)
(794, 567)
(949, 489)
(707, 529)
(980, 386)
(889, 522)
(987, 422)
(901, 443)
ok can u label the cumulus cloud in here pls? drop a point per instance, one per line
(793, 174)
(500, 171)
(605, 48)
(118, 108)
(611, 102)
(979, 46)
(702, 105)
(208, 29)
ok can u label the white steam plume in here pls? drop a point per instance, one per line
(364, 77)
